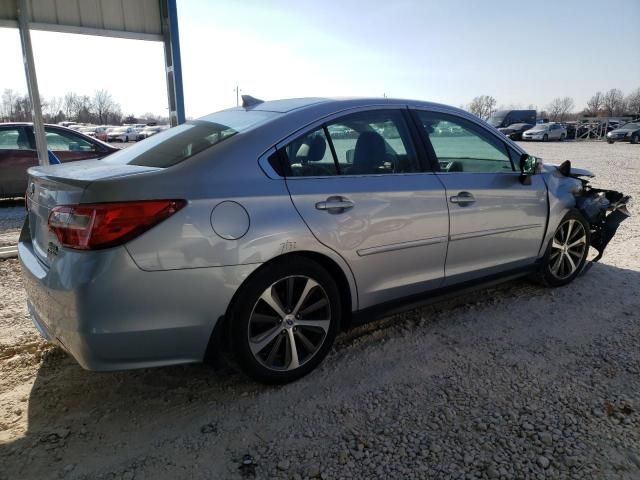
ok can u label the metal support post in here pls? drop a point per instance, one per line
(32, 83)
(173, 63)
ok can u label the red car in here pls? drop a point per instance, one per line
(18, 152)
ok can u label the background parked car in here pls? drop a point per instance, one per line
(122, 134)
(570, 127)
(18, 153)
(98, 132)
(546, 131)
(148, 131)
(505, 118)
(629, 132)
(515, 131)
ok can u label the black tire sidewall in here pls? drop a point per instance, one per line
(545, 137)
(247, 297)
(547, 276)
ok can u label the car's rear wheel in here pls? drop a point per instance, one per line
(567, 251)
(285, 320)
(635, 138)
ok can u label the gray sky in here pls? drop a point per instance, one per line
(445, 51)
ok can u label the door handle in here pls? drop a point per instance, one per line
(335, 204)
(463, 199)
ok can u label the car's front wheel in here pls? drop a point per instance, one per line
(284, 320)
(635, 138)
(567, 252)
(545, 137)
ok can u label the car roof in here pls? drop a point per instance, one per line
(320, 106)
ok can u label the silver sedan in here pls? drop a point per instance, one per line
(262, 230)
(545, 132)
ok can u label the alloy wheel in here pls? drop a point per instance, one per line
(567, 249)
(289, 323)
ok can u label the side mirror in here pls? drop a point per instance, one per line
(529, 165)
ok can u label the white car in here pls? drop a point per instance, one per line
(545, 132)
(122, 134)
(146, 132)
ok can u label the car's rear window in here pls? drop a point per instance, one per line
(177, 144)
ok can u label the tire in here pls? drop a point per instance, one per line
(559, 266)
(562, 137)
(545, 137)
(635, 139)
(262, 340)
(610, 142)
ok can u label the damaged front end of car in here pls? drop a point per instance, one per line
(604, 209)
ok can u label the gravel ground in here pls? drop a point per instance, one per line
(12, 214)
(514, 382)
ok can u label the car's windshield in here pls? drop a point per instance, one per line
(631, 125)
(543, 126)
(175, 145)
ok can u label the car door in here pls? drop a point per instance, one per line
(357, 182)
(69, 146)
(496, 222)
(17, 154)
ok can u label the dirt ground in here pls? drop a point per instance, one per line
(515, 381)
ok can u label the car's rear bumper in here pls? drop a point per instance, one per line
(111, 315)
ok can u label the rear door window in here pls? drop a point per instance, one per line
(365, 143)
(14, 138)
(310, 155)
(61, 141)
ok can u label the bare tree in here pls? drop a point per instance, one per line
(594, 105)
(560, 107)
(554, 108)
(70, 105)
(8, 106)
(103, 105)
(613, 102)
(52, 110)
(633, 102)
(482, 106)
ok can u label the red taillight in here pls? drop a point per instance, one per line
(103, 225)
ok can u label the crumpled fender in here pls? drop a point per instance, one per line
(605, 210)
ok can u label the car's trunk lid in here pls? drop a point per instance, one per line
(63, 184)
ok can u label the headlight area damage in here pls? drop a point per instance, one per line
(605, 210)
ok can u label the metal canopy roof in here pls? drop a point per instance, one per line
(135, 19)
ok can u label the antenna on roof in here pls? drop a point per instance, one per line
(249, 101)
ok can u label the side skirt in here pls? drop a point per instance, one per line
(437, 295)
